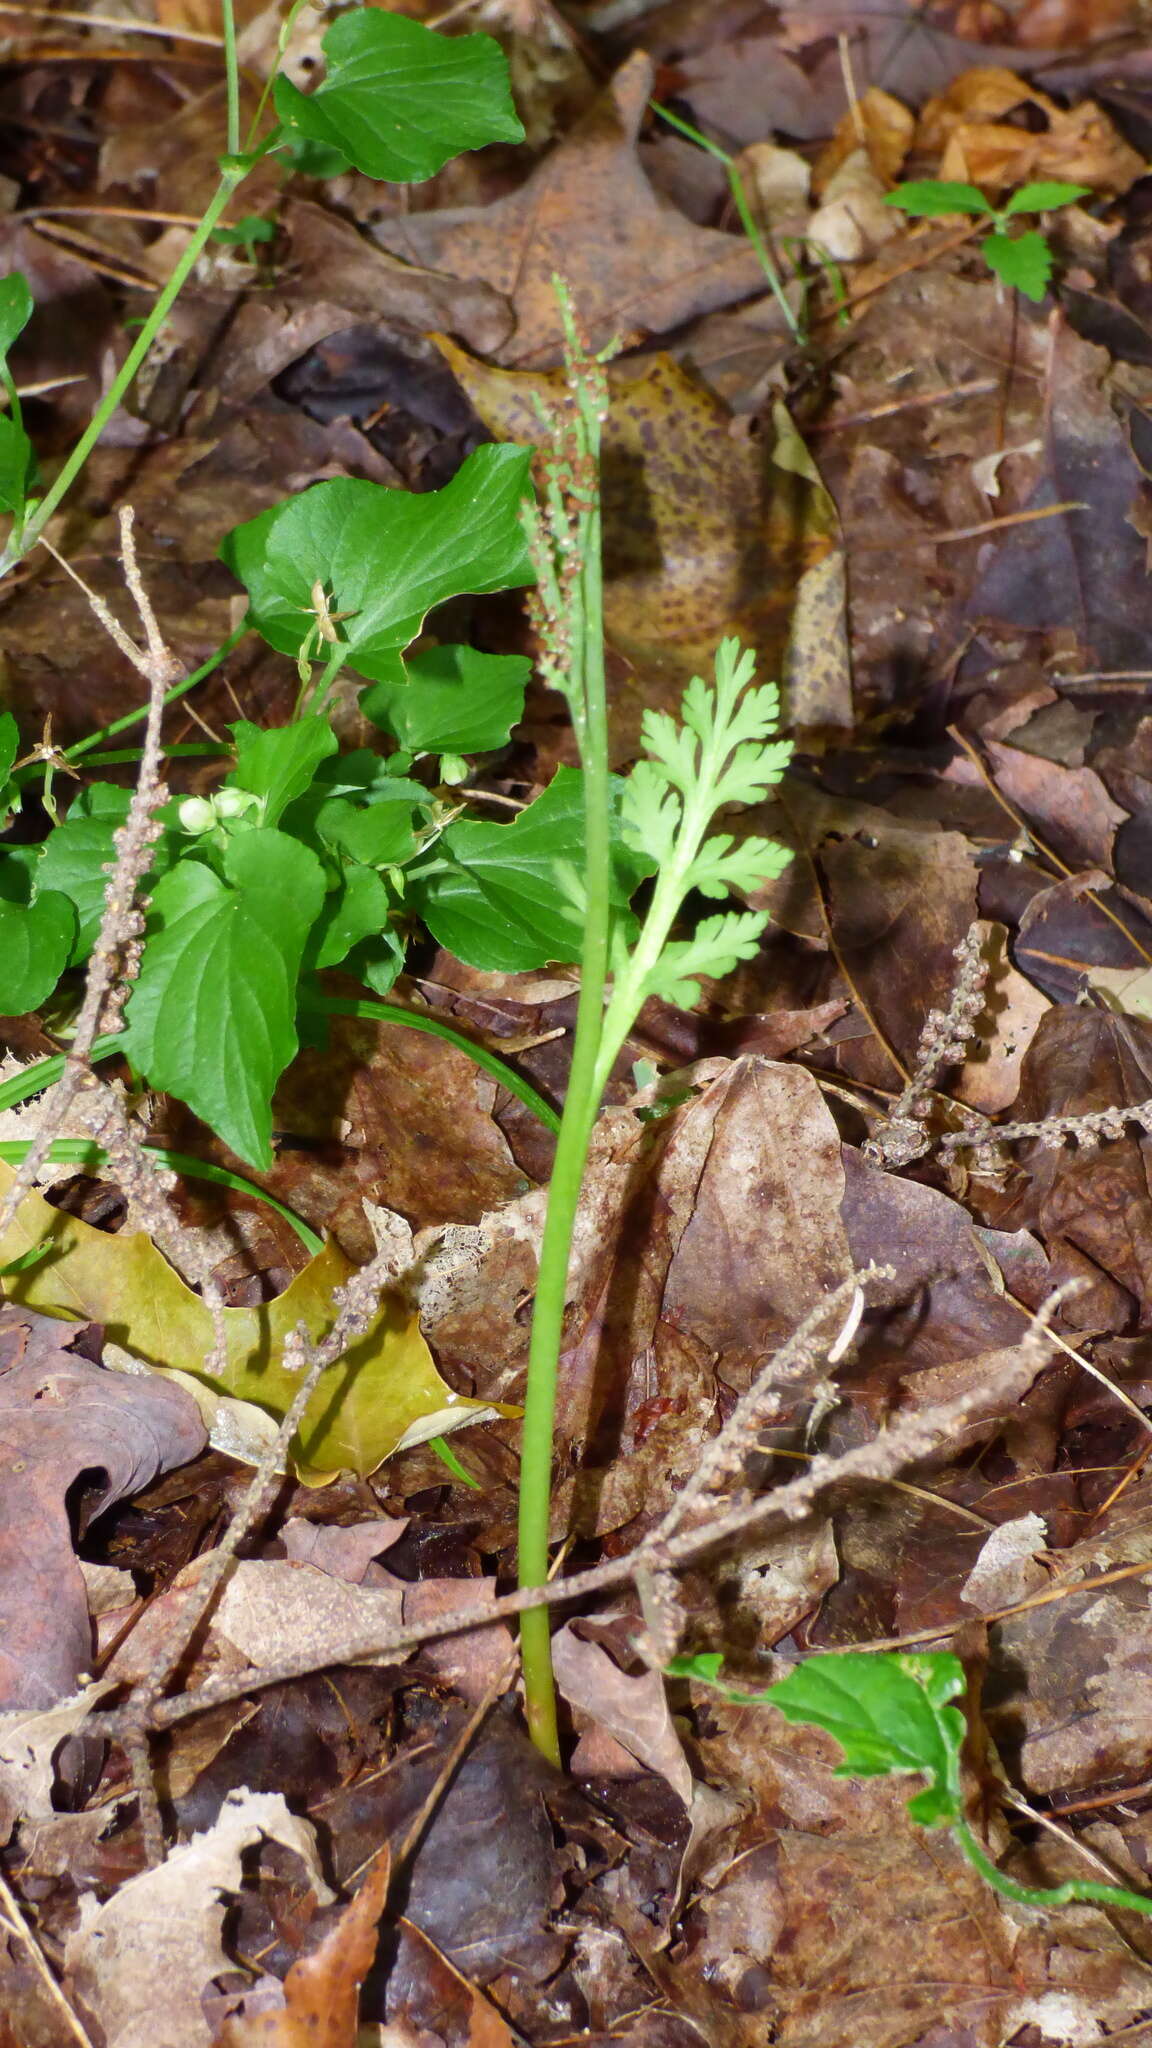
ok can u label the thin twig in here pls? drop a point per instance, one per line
(944, 1038)
(909, 1440)
(14, 1920)
(115, 956)
(727, 1453)
(356, 1303)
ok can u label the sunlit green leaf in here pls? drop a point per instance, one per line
(76, 855)
(16, 308)
(212, 1017)
(357, 910)
(451, 700)
(400, 101)
(928, 197)
(888, 1713)
(1042, 196)
(279, 765)
(493, 895)
(1021, 260)
(385, 557)
(17, 465)
(382, 833)
(35, 943)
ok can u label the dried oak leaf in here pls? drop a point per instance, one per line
(137, 1965)
(635, 265)
(60, 1417)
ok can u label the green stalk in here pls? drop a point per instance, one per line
(231, 75)
(747, 219)
(231, 176)
(178, 690)
(233, 170)
(588, 698)
(1074, 1890)
(435, 1027)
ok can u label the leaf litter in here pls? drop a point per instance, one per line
(931, 520)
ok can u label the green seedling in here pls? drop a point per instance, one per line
(246, 234)
(891, 1714)
(748, 222)
(1025, 260)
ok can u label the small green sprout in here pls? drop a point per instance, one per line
(1021, 260)
(245, 235)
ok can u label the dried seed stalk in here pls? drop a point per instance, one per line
(944, 1040)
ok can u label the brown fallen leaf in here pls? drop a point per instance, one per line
(708, 530)
(1069, 1700)
(430, 1998)
(969, 132)
(137, 1964)
(635, 266)
(1070, 807)
(990, 1077)
(321, 1991)
(880, 124)
(333, 262)
(898, 908)
(841, 1924)
(631, 1706)
(1091, 1208)
(61, 1416)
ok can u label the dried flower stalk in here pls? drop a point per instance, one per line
(944, 1040)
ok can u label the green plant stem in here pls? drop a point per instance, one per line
(580, 1106)
(178, 690)
(1067, 1894)
(231, 176)
(313, 696)
(231, 75)
(42, 1073)
(34, 1079)
(747, 219)
(85, 1152)
(417, 1020)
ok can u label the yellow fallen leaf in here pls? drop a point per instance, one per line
(382, 1396)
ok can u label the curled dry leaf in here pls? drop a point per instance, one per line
(30, 1745)
(969, 131)
(61, 1416)
(138, 1964)
(321, 1991)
